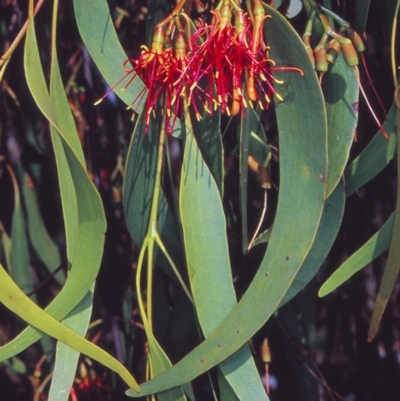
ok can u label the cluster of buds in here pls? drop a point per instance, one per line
(221, 65)
(332, 43)
(347, 41)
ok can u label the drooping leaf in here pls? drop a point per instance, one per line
(78, 319)
(19, 267)
(15, 300)
(374, 247)
(207, 255)
(244, 137)
(38, 235)
(207, 131)
(376, 155)
(64, 370)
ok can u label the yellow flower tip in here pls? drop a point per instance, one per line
(251, 91)
(278, 81)
(267, 98)
(198, 116)
(235, 108)
(261, 105)
(98, 102)
(279, 96)
(244, 102)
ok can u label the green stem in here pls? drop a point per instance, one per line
(174, 268)
(337, 18)
(152, 233)
(393, 43)
(308, 30)
(327, 27)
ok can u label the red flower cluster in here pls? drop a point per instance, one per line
(223, 64)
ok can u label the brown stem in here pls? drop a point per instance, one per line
(6, 56)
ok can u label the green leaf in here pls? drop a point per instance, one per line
(16, 365)
(303, 158)
(372, 160)
(258, 146)
(66, 357)
(15, 300)
(157, 9)
(326, 234)
(78, 320)
(341, 91)
(252, 142)
(361, 15)
(97, 31)
(374, 247)
(5, 246)
(41, 242)
(244, 137)
(208, 135)
(19, 267)
(140, 171)
(207, 257)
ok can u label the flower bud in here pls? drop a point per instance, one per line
(226, 16)
(265, 352)
(158, 40)
(349, 54)
(333, 51)
(265, 177)
(235, 106)
(180, 46)
(355, 39)
(251, 90)
(321, 62)
(258, 9)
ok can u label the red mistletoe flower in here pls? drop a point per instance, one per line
(220, 65)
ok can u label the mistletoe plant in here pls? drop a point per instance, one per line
(209, 84)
